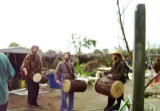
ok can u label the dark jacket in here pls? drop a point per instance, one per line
(32, 64)
(118, 71)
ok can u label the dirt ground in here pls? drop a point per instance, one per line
(86, 101)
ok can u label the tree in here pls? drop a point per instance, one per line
(123, 31)
(97, 51)
(105, 50)
(13, 44)
(94, 42)
(82, 41)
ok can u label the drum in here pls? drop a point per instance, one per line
(74, 86)
(109, 87)
(40, 78)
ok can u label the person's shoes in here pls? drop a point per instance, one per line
(70, 110)
(37, 105)
(63, 109)
(30, 106)
(107, 109)
(127, 77)
(116, 107)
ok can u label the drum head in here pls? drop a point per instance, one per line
(117, 89)
(66, 86)
(37, 77)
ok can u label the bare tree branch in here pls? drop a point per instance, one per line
(123, 32)
(151, 81)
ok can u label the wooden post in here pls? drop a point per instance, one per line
(139, 58)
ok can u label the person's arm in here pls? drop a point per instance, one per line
(57, 72)
(11, 73)
(10, 70)
(24, 67)
(40, 64)
(106, 72)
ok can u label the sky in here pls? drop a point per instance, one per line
(50, 23)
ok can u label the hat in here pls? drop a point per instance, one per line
(116, 52)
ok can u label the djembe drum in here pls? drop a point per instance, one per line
(40, 78)
(109, 87)
(74, 86)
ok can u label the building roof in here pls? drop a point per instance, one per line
(18, 50)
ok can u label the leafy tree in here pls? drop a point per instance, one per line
(82, 41)
(105, 50)
(13, 44)
(97, 51)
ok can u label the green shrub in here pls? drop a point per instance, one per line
(89, 66)
(90, 73)
(78, 68)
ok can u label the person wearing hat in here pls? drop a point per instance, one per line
(117, 72)
(30, 66)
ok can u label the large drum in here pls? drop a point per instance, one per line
(74, 86)
(40, 78)
(109, 87)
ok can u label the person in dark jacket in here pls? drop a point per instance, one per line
(30, 66)
(128, 62)
(117, 72)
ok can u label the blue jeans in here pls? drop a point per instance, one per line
(64, 101)
(3, 107)
(127, 71)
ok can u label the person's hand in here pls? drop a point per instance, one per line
(110, 75)
(58, 82)
(9, 84)
(25, 71)
(75, 78)
(10, 81)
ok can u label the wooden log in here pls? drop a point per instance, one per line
(139, 58)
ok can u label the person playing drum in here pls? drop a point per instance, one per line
(66, 70)
(30, 66)
(117, 72)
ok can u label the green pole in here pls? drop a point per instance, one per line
(139, 58)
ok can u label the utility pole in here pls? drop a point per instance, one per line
(139, 58)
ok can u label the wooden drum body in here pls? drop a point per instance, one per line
(74, 86)
(109, 87)
(40, 78)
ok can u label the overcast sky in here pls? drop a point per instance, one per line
(50, 23)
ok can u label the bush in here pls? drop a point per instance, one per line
(105, 60)
(91, 65)
(90, 73)
(88, 64)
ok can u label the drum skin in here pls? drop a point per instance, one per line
(74, 86)
(110, 88)
(40, 78)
